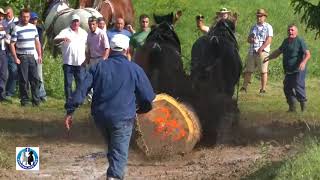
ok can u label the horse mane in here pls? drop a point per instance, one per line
(224, 29)
(164, 33)
(164, 18)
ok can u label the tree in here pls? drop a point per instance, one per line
(310, 14)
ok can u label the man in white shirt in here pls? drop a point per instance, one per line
(73, 45)
(260, 38)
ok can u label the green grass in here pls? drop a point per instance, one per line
(303, 165)
(280, 15)
(272, 106)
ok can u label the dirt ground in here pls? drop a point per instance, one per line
(82, 155)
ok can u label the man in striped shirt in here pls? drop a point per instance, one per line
(24, 41)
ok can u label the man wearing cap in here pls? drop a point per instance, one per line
(73, 41)
(295, 58)
(34, 20)
(259, 38)
(3, 58)
(118, 84)
(9, 22)
(24, 42)
(223, 14)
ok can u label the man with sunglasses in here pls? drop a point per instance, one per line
(73, 41)
(259, 38)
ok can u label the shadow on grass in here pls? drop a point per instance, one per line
(37, 131)
(267, 172)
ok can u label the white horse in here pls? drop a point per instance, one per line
(59, 16)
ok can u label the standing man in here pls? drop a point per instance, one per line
(102, 23)
(9, 22)
(118, 85)
(24, 41)
(295, 58)
(3, 58)
(118, 29)
(73, 40)
(34, 20)
(259, 38)
(98, 43)
(222, 14)
(138, 39)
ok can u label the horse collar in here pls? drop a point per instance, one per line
(97, 6)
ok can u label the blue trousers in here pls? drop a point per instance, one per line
(117, 135)
(28, 73)
(13, 75)
(42, 91)
(3, 73)
(294, 87)
(71, 73)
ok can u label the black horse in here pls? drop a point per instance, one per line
(160, 57)
(215, 58)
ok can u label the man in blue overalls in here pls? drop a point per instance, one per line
(118, 84)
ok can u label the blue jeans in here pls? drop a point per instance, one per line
(42, 91)
(70, 73)
(13, 76)
(294, 87)
(117, 135)
(28, 73)
(3, 73)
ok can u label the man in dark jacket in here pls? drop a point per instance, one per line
(118, 85)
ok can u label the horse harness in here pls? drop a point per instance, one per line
(50, 29)
(97, 5)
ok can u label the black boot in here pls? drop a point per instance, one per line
(303, 106)
(292, 107)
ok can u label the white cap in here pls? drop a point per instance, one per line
(75, 17)
(119, 42)
(2, 11)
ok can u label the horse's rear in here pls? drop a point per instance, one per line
(215, 58)
(112, 9)
(216, 67)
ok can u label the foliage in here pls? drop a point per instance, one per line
(53, 76)
(311, 14)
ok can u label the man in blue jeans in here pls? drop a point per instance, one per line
(73, 41)
(3, 58)
(9, 23)
(24, 42)
(118, 85)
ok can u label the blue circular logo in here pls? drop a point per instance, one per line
(27, 158)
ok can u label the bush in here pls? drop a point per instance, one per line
(53, 75)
